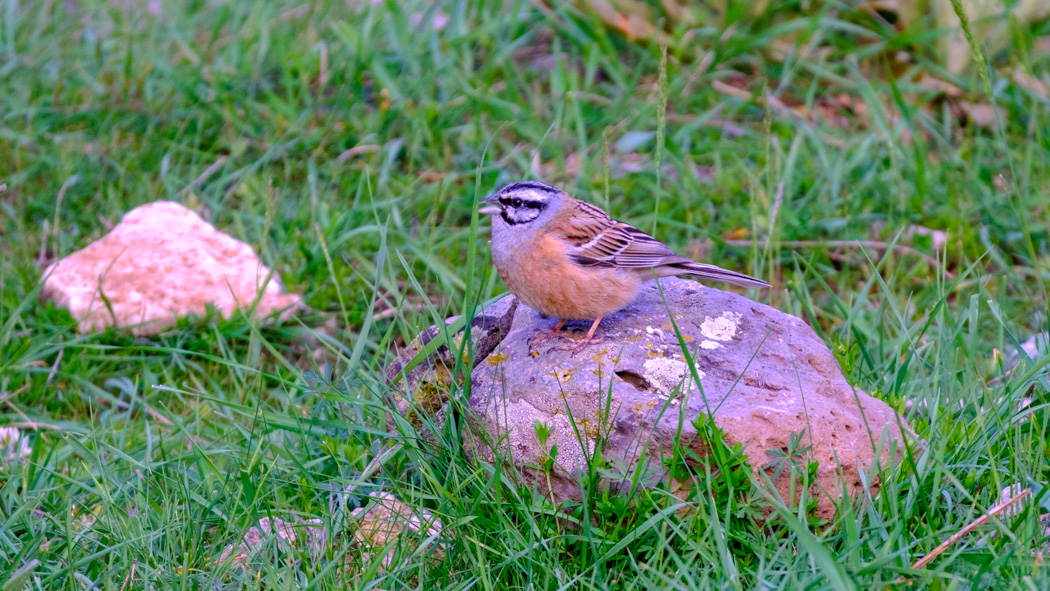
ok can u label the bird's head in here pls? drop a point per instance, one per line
(522, 203)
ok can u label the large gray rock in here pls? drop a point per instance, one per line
(424, 388)
(765, 376)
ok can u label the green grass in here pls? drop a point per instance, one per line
(347, 142)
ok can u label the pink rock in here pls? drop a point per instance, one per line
(161, 262)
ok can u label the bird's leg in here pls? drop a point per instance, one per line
(587, 340)
(554, 333)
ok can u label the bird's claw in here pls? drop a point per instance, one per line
(576, 346)
(557, 333)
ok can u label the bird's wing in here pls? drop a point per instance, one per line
(596, 240)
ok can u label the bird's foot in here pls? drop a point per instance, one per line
(554, 333)
(583, 343)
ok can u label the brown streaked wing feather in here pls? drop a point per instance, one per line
(644, 250)
(599, 241)
(582, 230)
(596, 240)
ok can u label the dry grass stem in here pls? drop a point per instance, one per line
(996, 510)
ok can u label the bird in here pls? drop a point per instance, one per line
(570, 260)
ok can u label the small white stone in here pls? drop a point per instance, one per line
(1008, 493)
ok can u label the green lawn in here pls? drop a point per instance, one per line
(347, 141)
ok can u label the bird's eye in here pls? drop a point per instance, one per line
(516, 203)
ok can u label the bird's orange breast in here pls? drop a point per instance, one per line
(545, 278)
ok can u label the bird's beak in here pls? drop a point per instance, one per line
(490, 206)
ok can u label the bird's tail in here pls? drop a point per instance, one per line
(704, 271)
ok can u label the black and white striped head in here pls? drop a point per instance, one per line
(522, 203)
